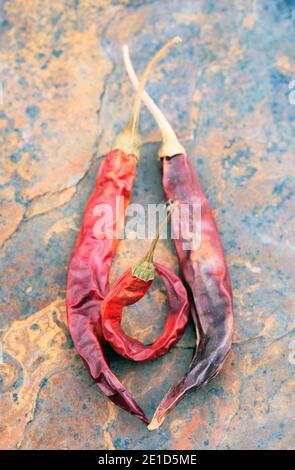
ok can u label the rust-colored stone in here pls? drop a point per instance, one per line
(65, 94)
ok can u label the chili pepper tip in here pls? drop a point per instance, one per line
(177, 39)
(154, 424)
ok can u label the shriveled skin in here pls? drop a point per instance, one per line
(205, 272)
(88, 274)
(129, 290)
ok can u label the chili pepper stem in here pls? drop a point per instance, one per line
(150, 254)
(145, 269)
(129, 139)
(133, 125)
(171, 145)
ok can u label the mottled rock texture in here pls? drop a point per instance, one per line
(65, 94)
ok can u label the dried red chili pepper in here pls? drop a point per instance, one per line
(204, 269)
(90, 264)
(129, 289)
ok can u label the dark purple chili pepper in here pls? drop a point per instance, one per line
(204, 268)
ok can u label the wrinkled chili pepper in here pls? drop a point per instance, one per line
(204, 268)
(88, 271)
(132, 285)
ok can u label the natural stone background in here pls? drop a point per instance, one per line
(65, 95)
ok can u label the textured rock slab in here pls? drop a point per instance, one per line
(65, 95)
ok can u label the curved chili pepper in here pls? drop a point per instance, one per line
(129, 289)
(88, 271)
(204, 269)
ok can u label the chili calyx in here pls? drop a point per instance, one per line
(204, 268)
(89, 267)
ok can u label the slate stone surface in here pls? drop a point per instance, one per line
(64, 95)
